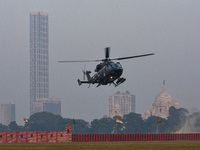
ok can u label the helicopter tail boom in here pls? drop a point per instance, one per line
(81, 82)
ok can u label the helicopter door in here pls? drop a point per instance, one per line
(104, 71)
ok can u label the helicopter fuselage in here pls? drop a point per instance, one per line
(106, 73)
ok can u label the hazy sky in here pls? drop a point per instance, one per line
(81, 29)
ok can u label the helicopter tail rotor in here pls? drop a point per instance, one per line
(84, 73)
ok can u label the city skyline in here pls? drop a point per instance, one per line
(80, 30)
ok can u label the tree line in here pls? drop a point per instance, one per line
(132, 123)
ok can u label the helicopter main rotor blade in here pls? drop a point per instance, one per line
(107, 50)
(78, 61)
(121, 58)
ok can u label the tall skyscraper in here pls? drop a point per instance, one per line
(39, 58)
(39, 66)
(120, 104)
(7, 113)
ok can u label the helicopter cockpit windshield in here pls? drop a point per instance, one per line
(119, 66)
(113, 65)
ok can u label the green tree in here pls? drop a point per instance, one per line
(45, 121)
(151, 125)
(3, 128)
(14, 127)
(81, 127)
(176, 119)
(102, 126)
(133, 123)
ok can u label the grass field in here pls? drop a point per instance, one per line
(178, 145)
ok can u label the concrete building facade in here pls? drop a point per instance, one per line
(7, 113)
(39, 58)
(120, 104)
(52, 105)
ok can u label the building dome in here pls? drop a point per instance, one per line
(163, 98)
(161, 105)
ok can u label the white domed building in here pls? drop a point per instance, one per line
(161, 105)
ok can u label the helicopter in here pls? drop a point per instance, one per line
(107, 72)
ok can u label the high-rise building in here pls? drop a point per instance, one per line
(7, 113)
(39, 66)
(52, 105)
(120, 104)
(39, 58)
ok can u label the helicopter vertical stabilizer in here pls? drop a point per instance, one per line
(87, 73)
(79, 82)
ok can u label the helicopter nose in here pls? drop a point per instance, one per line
(119, 68)
(118, 71)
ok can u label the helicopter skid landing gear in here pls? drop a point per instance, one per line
(119, 81)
